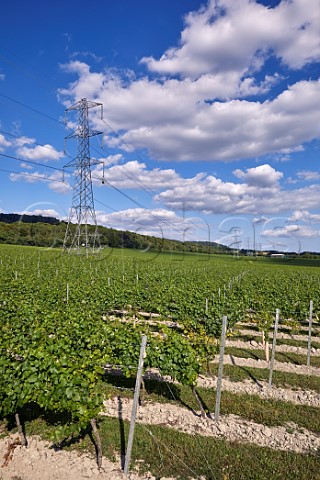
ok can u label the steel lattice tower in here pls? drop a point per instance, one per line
(82, 232)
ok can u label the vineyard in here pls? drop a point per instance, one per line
(71, 329)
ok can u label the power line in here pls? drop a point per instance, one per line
(40, 177)
(63, 170)
(138, 183)
(33, 142)
(25, 71)
(31, 108)
(137, 153)
(107, 206)
(62, 123)
(27, 174)
(26, 63)
(102, 179)
(58, 121)
(138, 204)
(31, 162)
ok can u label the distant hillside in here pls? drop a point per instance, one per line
(15, 217)
(49, 232)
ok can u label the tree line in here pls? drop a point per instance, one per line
(35, 230)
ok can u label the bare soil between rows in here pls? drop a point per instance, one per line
(279, 348)
(231, 427)
(262, 389)
(39, 461)
(280, 366)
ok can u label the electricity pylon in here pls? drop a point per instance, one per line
(82, 231)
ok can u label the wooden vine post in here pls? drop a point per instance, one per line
(97, 440)
(135, 404)
(23, 438)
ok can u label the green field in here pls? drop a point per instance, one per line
(64, 317)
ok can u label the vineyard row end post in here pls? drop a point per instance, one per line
(309, 333)
(135, 404)
(220, 371)
(274, 342)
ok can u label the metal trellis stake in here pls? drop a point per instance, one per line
(309, 333)
(273, 346)
(220, 371)
(135, 404)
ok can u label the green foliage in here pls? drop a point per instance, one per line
(49, 232)
(54, 347)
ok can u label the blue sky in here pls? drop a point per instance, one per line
(211, 115)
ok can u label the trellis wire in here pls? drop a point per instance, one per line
(167, 448)
(163, 379)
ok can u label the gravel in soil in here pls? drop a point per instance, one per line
(298, 397)
(39, 461)
(232, 427)
(280, 366)
(279, 348)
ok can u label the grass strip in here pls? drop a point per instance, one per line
(268, 411)
(236, 373)
(259, 354)
(280, 341)
(281, 329)
(169, 453)
(251, 407)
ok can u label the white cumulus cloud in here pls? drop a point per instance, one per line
(173, 120)
(291, 231)
(304, 216)
(54, 181)
(40, 153)
(47, 212)
(158, 222)
(136, 175)
(259, 194)
(308, 175)
(21, 141)
(239, 36)
(261, 176)
(4, 143)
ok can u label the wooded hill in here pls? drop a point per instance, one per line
(36, 230)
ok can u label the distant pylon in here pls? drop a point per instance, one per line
(82, 231)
